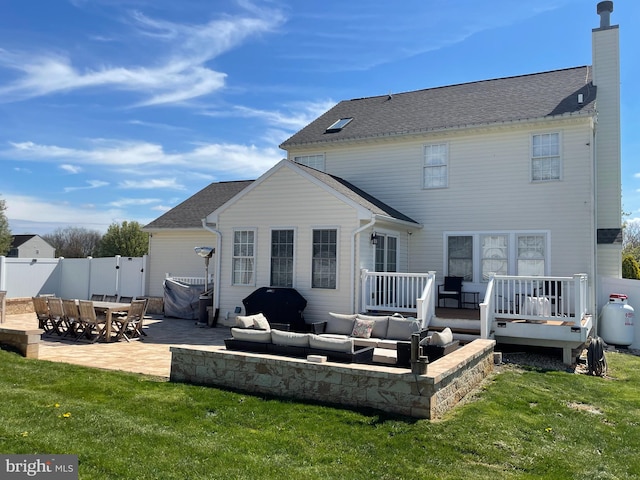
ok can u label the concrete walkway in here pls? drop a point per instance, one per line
(150, 355)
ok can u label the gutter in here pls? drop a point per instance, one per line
(216, 289)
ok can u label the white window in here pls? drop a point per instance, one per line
(435, 168)
(495, 255)
(324, 259)
(545, 157)
(313, 161)
(282, 258)
(243, 257)
(386, 253)
(531, 255)
(460, 256)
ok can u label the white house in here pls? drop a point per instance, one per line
(30, 246)
(515, 176)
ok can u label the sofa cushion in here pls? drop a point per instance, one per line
(401, 328)
(333, 344)
(366, 342)
(442, 338)
(243, 321)
(380, 327)
(280, 337)
(362, 328)
(261, 322)
(257, 320)
(339, 323)
(251, 335)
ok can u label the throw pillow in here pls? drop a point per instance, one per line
(244, 321)
(260, 322)
(362, 328)
(442, 338)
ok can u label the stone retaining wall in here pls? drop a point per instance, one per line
(390, 389)
(27, 342)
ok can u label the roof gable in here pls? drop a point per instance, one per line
(335, 185)
(19, 240)
(500, 100)
(189, 214)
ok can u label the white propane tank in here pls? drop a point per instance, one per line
(616, 322)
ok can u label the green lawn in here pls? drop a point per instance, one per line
(523, 424)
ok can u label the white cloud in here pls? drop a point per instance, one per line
(91, 185)
(127, 202)
(152, 183)
(179, 74)
(73, 169)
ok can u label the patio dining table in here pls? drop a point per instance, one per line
(108, 309)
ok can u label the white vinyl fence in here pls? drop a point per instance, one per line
(73, 277)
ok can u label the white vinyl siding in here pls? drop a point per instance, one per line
(243, 257)
(171, 252)
(545, 157)
(436, 166)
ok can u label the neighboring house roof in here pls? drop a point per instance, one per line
(484, 102)
(355, 194)
(189, 214)
(19, 240)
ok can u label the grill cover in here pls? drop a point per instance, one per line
(279, 305)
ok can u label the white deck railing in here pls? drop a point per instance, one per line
(533, 299)
(191, 280)
(398, 292)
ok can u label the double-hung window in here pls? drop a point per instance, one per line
(313, 161)
(244, 257)
(282, 258)
(436, 166)
(545, 157)
(324, 259)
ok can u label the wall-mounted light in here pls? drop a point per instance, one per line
(374, 238)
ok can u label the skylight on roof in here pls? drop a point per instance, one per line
(338, 125)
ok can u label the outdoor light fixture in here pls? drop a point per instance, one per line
(206, 253)
(374, 238)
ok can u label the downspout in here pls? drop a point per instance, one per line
(216, 289)
(356, 232)
(594, 219)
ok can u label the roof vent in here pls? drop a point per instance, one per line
(604, 9)
(580, 98)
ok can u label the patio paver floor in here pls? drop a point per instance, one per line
(150, 356)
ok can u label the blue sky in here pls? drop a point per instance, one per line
(115, 110)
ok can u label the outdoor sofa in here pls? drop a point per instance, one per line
(342, 337)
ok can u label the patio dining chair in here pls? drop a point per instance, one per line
(56, 314)
(124, 299)
(41, 307)
(452, 288)
(97, 297)
(130, 326)
(75, 327)
(94, 327)
(111, 298)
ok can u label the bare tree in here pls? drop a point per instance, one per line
(74, 242)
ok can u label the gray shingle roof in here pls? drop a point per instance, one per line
(189, 214)
(357, 195)
(499, 100)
